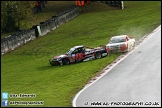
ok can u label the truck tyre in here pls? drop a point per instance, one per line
(98, 55)
(65, 61)
(51, 63)
(134, 44)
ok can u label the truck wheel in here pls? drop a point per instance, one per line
(134, 44)
(127, 49)
(107, 54)
(65, 62)
(131, 47)
(51, 63)
(98, 55)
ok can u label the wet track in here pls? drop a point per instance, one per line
(135, 81)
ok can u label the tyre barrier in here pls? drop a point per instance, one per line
(52, 23)
(118, 4)
(13, 41)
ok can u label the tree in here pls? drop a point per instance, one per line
(3, 14)
(16, 15)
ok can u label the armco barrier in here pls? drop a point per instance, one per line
(22, 37)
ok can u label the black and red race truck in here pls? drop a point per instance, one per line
(79, 54)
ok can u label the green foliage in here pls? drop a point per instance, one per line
(3, 14)
(23, 13)
(18, 11)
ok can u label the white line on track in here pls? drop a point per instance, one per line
(113, 64)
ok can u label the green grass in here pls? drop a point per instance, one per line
(27, 69)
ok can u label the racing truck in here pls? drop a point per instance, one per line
(79, 54)
(121, 43)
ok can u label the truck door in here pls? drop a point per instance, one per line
(79, 55)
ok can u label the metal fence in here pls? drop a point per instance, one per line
(118, 4)
(13, 41)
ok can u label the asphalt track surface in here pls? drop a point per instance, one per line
(134, 81)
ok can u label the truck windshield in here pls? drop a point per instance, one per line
(117, 40)
(70, 51)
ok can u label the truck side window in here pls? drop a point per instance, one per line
(75, 51)
(80, 50)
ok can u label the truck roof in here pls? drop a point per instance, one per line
(119, 36)
(78, 46)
